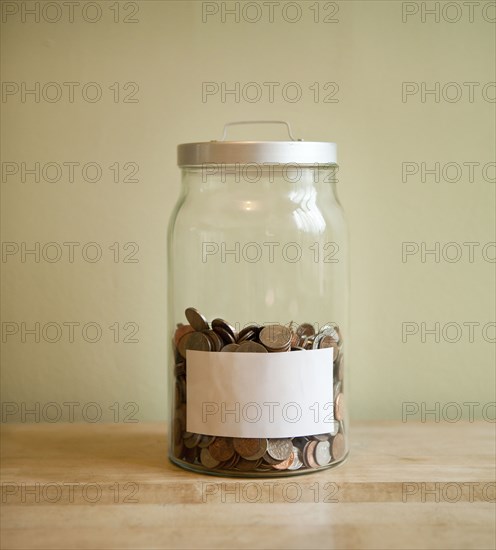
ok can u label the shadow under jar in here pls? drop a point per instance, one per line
(258, 303)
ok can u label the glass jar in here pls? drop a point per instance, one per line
(258, 303)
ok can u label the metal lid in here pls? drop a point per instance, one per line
(296, 151)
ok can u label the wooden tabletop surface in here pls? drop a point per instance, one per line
(405, 486)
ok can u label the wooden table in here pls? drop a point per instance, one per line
(412, 485)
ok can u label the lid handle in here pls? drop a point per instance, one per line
(288, 127)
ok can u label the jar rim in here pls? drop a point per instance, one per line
(306, 153)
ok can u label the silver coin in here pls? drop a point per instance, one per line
(298, 460)
(333, 427)
(279, 449)
(323, 453)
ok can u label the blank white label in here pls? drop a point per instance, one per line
(260, 394)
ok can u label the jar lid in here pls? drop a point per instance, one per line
(296, 151)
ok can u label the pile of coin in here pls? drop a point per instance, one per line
(257, 455)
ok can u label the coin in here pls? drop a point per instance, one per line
(198, 341)
(333, 427)
(327, 341)
(178, 431)
(266, 456)
(275, 337)
(231, 462)
(298, 461)
(230, 347)
(285, 464)
(245, 465)
(333, 331)
(226, 336)
(191, 455)
(337, 447)
(323, 453)
(339, 367)
(191, 442)
(208, 460)
(248, 333)
(221, 449)
(308, 454)
(251, 347)
(269, 460)
(181, 345)
(339, 407)
(181, 330)
(215, 340)
(205, 441)
(305, 329)
(250, 448)
(321, 437)
(223, 325)
(196, 319)
(180, 369)
(279, 449)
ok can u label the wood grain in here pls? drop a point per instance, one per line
(413, 485)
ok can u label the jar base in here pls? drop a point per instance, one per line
(199, 469)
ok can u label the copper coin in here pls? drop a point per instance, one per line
(295, 339)
(205, 441)
(224, 325)
(285, 464)
(305, 329)
(208, 460)
(269, 460)
(339, 407)
(226, 336)
(245, 465)
(221, 449)
(196, 319)
(192, 441)
(230, 347)
(215, 340)
(197, 341)
(181, 330)
(333, 331)
(178, 431)
(251, 347)
(275, 337)
(327, 341)
(250, 330)
(181, 346)
(308, 454)
(339, 367)
(337, 447)
(191, 455)
(180, 368)
(250, 448)
(279, 449)
(231, 462)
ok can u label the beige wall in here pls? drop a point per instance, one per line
(168, 53)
